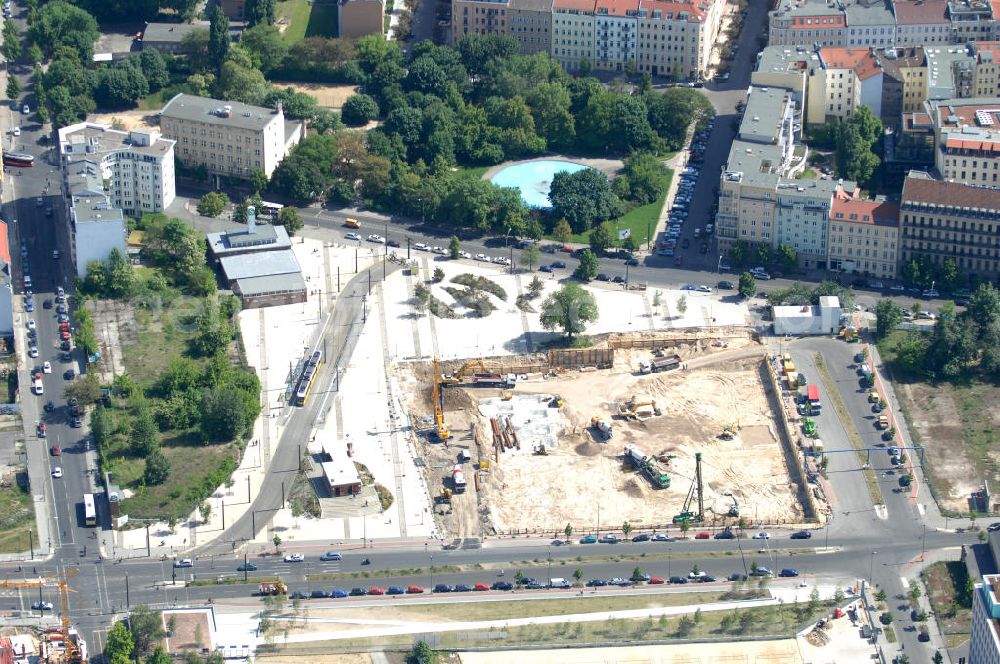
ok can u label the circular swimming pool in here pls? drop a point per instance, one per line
(533, 179)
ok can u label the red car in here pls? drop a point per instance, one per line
(566, 250)
(702, 535)
(55, 451)
(480, 587)
(65, 335)
(375, 590)
(414, 590)
(655, 580)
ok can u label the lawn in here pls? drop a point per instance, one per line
(305, 19)
(807, 174)
(17, 516)
(640, 220)
(956, 424)
(948, 591)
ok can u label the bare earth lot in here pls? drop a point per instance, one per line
(585, 482)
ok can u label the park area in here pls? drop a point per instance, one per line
(298, 19)
(958, 425)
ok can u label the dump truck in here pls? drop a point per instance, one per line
(667, 363)
(650, 466)
(276, 587)
(506, 381)
(458, 479)
(602, 426)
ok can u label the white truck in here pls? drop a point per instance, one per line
(458, 479)
(37, 386)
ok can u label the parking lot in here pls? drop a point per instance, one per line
(671, 244)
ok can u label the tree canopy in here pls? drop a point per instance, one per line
(569, 309)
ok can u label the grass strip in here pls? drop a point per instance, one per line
(852, 434)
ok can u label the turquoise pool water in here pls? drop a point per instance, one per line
(534, 178)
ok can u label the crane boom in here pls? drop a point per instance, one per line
(438, 398)
(72, 653)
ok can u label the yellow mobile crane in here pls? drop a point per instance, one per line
(71, 653)
(442, 430)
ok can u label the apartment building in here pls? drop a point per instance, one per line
(480, 17)
(359, 18)
(967, 140)
(871, 23)
(921, 22)
(136, 167)
(950, 72)
(788, 67)
(974, 20)
(806, 23)
(849, 79)
(615, 34)
(573, 33)
(986, 78)
(942, 219)
(675, 39)
(228, 138)
(904, 83)
(530, 22)
(984, 642)
(864, 234)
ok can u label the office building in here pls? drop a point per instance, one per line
(228, 138)
(967, 140)
(169, 37)
(942, 219)
(360, 18)
(921, 22)
(107, 173)
(864, 234)
(984, 642)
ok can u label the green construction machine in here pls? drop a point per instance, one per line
(809, 428)
(686, 515)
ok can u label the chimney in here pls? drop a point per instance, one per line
(251, 219)
(280, 108)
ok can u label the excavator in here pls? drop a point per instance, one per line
(630, 409)
(458, 376)
(441, 431)
(729, 432)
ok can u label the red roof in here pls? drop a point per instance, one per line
(922, 12)
(575, 5)
(4, 243)
(673, 9)
(860, 211)
(861, 60)
(972, 144)
(616, 7)
(822, 21)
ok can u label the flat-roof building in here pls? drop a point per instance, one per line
(228, 138)
(967, 140)
(339, 471)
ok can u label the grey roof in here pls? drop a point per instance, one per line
(763, 114)
(175, 32)
(92, 141)
(264, 237)
(206, 109)
(782, 59)
(759, 163)
(275, 283)
(95, 209)
(84, 178)
(877, 14)
(260, 264)
(941, 62)
(809, 8)
(807, 188)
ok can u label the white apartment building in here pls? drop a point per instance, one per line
(676, 38)
(984, 643)
(967, 140)
(573, 32)
(921, 22)
(616, 24)
(864, 234)
(137, 165)
(806, 23)
(228, 138)
(870, 23)
(849, 78)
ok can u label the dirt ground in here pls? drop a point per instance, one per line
(594, 485)
(191, 631)
(956, 427)
(339, 658)
(127, 120)
(327, 96)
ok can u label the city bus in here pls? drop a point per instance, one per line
(89, 510)
(18, 159)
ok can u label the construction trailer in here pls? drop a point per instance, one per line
(654, 470)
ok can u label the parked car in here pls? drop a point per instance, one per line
(319, 594)
(588, 539)
(503, 585)
(41, 606)
(462, 588)
(352, 236)
(395, 590)
(788, 572)
(802, 534)
(338, 593)
(678, 579)
(597, 583)
(703, 535)
(375, 590)
(184, 562)
(358, 592)
(761, 571)
(609, 539)
(55, 451)
(331, 555)
(443, 588)
(641, 537)
(661, 537)
(761, 536)
(414, 590)
(57, 472)
(655, 580)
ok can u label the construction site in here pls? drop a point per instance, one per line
(25, 640)
(656, 430)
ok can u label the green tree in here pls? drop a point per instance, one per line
(855, 158)
(57, 24)
(157, 468)
(588, 267)
(258, 12)
(562, 231)
(531, 256)
(212, 204)
(682, 304)
(266, 45)
(568, 530)
(258, 180)
(218, 37)
(626, 528)
(147, 628)
(888, 316)
(422, 652)
(787, 257)
(290, 219)
(647, 177)
(11, 41)
(144, 434)
(159, 656)
(359, 110)
(438, 275)
(748, 285)
(214, 333)
(154, 68)
(224, 414)
(13, 88)
(121, 278)
(915, 591)
(601, 237)
(583, 198)
(194, 46)
(121, 86)
(100, 427)
(455, 248)
(578, 574)
(569, 309)
(119, 645)
(35, 55)
(738, 253)
(938, 657)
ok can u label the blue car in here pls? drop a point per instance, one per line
(395, 590)
(545, 268)
(338, 593)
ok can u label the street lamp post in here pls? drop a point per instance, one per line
(550, 569)
(871, 568)
(668, 562)
(432, 572)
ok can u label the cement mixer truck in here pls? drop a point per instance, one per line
(650, 466)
